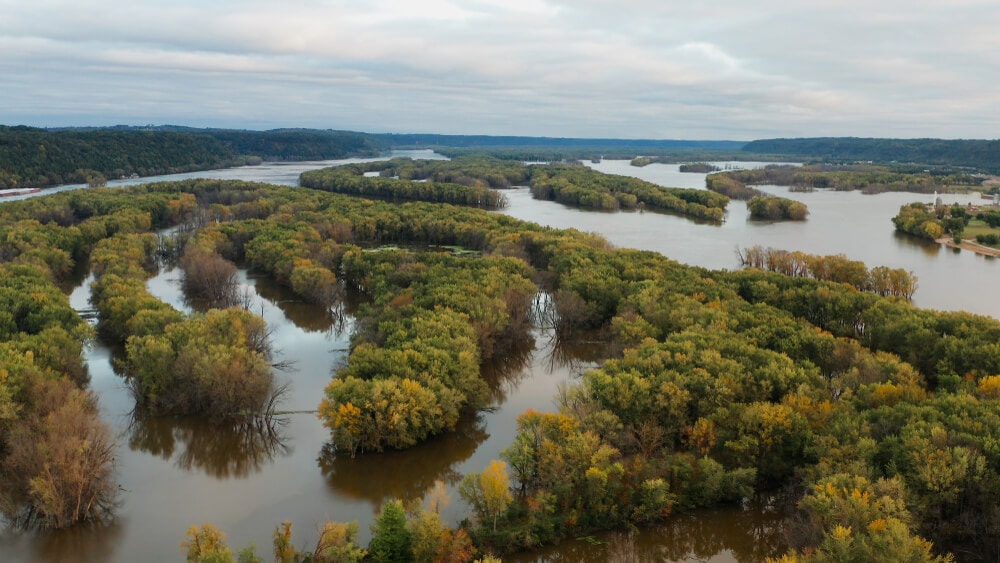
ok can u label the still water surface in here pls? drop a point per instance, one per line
(245, 480)
(848, 223)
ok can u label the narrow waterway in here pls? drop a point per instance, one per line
(246, 480)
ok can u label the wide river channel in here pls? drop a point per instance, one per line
(175, 473)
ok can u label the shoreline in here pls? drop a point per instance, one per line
(970, 246)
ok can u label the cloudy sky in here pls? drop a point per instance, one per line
(665, 69)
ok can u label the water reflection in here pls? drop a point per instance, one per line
(930, 248)
(577, 350)
(504, 372)
(307, 316)
(76, 276)
(750, 533)
(406, 475)
(234, 449)
(246, 482)
(86, 542)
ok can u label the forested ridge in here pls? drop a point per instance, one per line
(496, 142)
(726, 384)
(32, 157)
(980, 154)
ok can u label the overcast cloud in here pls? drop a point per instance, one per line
(714, 69)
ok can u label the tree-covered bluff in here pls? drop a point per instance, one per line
(723, 385)
(32, 157)
(980, 154)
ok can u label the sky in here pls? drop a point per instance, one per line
(653, 69)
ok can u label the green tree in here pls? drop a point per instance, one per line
(391, 540)
(860, 520)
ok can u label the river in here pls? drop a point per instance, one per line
(179, 472)
(848, 223)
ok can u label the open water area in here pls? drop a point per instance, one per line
(247, 479)
(851, 223)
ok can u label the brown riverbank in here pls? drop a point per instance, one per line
(971, 245)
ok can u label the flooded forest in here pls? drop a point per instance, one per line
(423, 373)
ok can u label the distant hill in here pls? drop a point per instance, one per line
(474, 141)
(33, 157)
(980, 154)
(45, 157)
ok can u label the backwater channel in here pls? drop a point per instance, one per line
(176, 473)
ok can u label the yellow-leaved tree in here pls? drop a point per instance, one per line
(488, 492)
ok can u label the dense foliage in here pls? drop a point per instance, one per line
(920, 220)
(583, 187)
(695, 167)
(989, 239)
(38, 157)
(56, 455)
(472, 171)
(771, 208)
(980, 154)
(728, 387)
(414, 368)
(698, 168)
(837, 268)
(466, 181)
(491, 142)
(731, 187)
(726, 384)
(455, 185)
(931, 222)
(870, 179)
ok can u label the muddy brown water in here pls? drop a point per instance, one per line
(175, 473)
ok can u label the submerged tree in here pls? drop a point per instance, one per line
(61, 459)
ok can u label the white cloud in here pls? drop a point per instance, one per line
(640, 68)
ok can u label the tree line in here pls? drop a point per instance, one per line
(351, 180)
(933, 221)
(31, 157)
(837, 268)
(870, 179)
(56, 455)
(582, 187)
(475, 176)
(725, 384)
(471, 171)
(980, 154)
(772, 208)
(725, 388)
(686, 166)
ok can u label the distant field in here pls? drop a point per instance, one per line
(977, 227)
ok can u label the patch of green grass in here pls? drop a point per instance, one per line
(976, 228)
